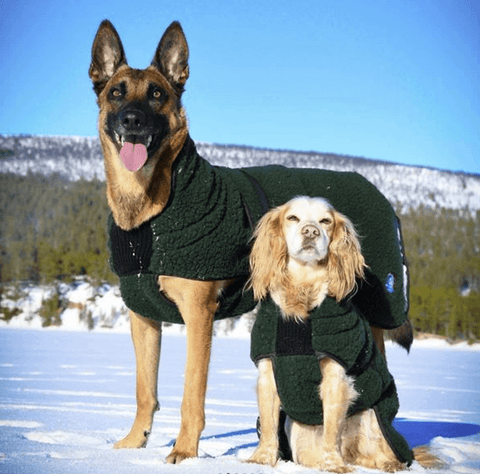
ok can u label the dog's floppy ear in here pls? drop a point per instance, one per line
(268, 258)
(107, 56)
(345, 259)
(171, 56)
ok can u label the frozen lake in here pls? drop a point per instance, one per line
(66, 397)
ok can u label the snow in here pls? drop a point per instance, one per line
(67, 393)
(67, 396)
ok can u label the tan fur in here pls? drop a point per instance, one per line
(379, 340)
(135, 197)
(197, 302)
(269, 407)
(334, 446)
(297, 282)
(361, 444)
(146, 336)
(135, 201)
(345, 260)
(426, 458)
(297, 286)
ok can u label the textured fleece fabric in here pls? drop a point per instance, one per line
(204, 232)
(336, 331)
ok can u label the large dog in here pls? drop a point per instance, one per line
(180, 228)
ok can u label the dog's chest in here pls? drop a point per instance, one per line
(296, 347)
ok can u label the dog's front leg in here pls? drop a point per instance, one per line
(147, 336)
(197, 302)
(269, 409)
(337, 393)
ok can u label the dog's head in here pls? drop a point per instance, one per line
(312, 233)
(308, 226)
(140, 109)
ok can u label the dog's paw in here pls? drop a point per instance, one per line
(338, 469)
(264, 456)
(324, 461)
(392, 466)
(333, 462)
(178, 455)
(133, 440)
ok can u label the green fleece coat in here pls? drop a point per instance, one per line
(336, 331)
(205, 229)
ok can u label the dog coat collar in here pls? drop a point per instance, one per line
(203, 233)
(333, 330)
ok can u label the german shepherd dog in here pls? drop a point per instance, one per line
(141, 118)
(143, 128)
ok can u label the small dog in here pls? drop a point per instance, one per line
(304, 252)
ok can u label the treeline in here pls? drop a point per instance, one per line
(443, 250)
(54, 230)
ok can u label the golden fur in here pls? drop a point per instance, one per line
(298, 281)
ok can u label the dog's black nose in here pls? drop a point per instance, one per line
(310, 231)
(132, 120)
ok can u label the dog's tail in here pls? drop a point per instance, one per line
(402, 335)
(425, 457)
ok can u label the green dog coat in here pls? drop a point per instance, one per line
(204, 231)
(336, 331)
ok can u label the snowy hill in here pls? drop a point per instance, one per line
(73, 158)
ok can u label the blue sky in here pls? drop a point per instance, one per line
(384, 79)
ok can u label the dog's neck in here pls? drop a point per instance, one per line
(305, 287)
(135, 200)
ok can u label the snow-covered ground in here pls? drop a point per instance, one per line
(66, 397)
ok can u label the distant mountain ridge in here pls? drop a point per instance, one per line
(74, 158)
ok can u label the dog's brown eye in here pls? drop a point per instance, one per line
(293, 218)
(116, 93)
(326, 221)
(156, 93)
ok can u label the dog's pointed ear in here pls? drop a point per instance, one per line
(107, 56)
(171, 56)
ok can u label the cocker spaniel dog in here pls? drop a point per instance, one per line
(305, 253)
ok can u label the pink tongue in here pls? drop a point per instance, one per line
(133, 156)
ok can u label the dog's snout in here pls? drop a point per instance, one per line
(310, 231)
(132, 120)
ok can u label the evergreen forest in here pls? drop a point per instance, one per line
(52, 230)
